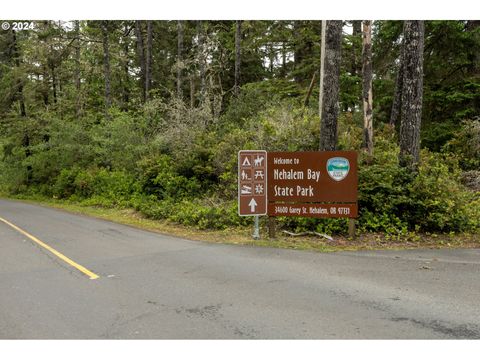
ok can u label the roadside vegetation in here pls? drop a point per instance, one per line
(194, 184)
(169, 163)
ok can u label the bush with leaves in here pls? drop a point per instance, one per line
(466, 144)
(158, 177)
(112, 187)
(433, 199)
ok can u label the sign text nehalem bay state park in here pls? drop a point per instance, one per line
(312, 184)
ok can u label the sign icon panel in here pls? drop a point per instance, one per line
(252, 182)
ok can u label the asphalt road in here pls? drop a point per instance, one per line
(152, 286)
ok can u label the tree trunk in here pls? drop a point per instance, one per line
(330, 84)
(356, 33)
(77, 69)
(54, 84)
(300, 51)
(322, 68)
(23, 111)
(126, 74)
(472, 26)
(310, 89)
(106, 66)
(238, 36)
(201, 58)
(192, 91)
(412, 92)
(271, 55)
(397, 96)
(141, 56)
(367, 94)
(21, 100)
(297, 50)
(45, 88)
(148, 65)
(179, 58)
(357, 27)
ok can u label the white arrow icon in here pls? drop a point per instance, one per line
(252, 205)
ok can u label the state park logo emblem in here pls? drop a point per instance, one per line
(338, 168)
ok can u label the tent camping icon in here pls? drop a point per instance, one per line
(246, 162)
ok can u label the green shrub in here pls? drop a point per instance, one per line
(431, 200)
(84, 184)
(198, 213)
(388, 223)
(119, 141)
(466, 145)
(435, 135)
(114, 187)
(440, 201)
(158, 177)
(64, 185)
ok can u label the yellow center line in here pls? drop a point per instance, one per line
(53, 251)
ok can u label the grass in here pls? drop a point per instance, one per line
(243, 236)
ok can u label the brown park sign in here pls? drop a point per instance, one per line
(252, 182)
(312, 184)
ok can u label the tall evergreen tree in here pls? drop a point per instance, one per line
(148, 62)
(412, 92)
(238, 37)
(201, 52)
(397, 95)
(77, 69)
(330, 85)
(356, 66)
(179, 58)
(141, 57)
(367, 93)
(126, 90)
(106, 65)
(21, 100)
